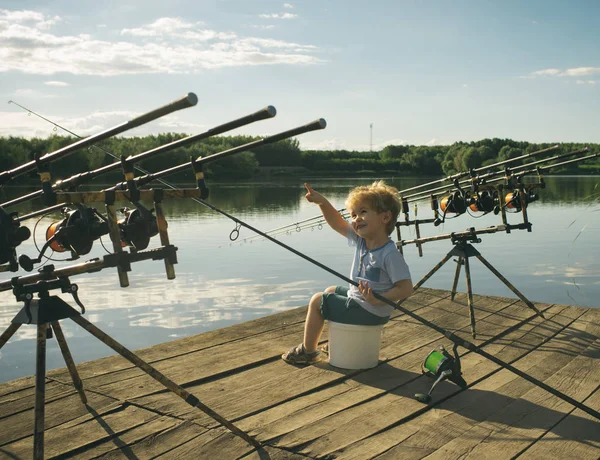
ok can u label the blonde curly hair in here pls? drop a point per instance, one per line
(380, 197)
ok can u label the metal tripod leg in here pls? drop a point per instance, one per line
(40, 392)
(8, 333)
(431, 273)
(470, 295)
(459, 263)
(165, 381)
(508, 285)
(64, 348)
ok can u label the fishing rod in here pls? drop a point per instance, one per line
(491, 176)
(484, 179)
(460, 175)
(40, 162)
(197, 164)
(453, 178)
(449, 335)
(143, 180)
(78, 179)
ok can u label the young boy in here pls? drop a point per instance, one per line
(378, 267)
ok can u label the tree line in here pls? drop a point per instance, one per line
(282, 158)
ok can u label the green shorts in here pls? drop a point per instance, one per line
(337, 307)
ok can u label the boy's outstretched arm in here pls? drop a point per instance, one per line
(331, 215)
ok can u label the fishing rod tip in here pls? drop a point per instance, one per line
(192, 99)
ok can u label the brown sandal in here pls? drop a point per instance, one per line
(299, 355)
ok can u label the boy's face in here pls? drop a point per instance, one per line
(368, 223)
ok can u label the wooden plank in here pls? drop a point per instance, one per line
(156, 437)
(60, 409)
(346, 427)
(217, 443)
(88, 429)
(22, 400)
(457, 423)
(273, 453)
(576, 436)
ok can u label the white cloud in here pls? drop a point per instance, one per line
(55, 83)
(547, 72)
(288, 5)
(264, 27)
(170, 45)
(278, 16)
(161, 27)
(37, 20)
(581, 71)
(432, 142)
(586, 82)
(574, 72)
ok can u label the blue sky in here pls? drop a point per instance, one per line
(421, 71)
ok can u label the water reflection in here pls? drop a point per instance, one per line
(219, 283)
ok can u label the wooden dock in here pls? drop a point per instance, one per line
(324, 412)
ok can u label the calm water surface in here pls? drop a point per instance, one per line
(220, 283)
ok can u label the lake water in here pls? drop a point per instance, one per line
(220, 282)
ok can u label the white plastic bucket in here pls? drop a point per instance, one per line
(354, 347)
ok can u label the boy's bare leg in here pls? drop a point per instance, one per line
(314, 322)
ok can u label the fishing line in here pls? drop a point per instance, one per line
(449, 335)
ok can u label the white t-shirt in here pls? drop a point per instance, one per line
(382, 267)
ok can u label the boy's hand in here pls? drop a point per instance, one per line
(367, 293)
(313, 196)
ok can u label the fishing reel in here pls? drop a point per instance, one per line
(137, 227)
(513, 199)
(11, 236)
(483, 201)
(440, 365)
(75, 232)
(455, 203)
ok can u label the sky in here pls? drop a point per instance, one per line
(422, 72)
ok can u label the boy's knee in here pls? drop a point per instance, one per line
(331, 289)
(316, 299)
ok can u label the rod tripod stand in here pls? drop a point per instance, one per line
(46, 312)
(463, 249)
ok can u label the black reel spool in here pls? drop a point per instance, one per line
(11, 236)
(137, 227)
(513, 199)
(483, 201)
(454, 203)
(77, 231)
(440, 365)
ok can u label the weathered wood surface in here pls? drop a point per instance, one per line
(321, 411)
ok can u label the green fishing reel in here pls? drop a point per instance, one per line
(440, 365)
